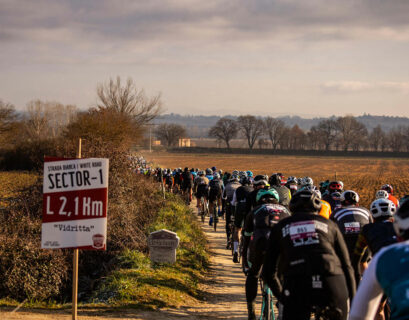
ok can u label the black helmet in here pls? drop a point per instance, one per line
(245, 181)
(305, 200)
(260, 180)
(275, 179)
(349, 197)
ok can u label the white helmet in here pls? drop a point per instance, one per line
(381, 194)
(307, 181)
(382, 208)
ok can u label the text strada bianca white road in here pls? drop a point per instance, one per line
(75, 193)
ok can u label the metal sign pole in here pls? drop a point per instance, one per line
(75, 264)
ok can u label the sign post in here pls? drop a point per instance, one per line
(75, 200)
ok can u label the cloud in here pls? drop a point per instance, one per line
(361, 87)
(233, 20)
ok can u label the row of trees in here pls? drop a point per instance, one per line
(343, 133)
(114, 124)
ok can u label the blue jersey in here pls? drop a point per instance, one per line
(387, 273)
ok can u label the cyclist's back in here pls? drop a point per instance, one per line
(313, 259)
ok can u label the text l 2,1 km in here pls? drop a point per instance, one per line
(75, 193)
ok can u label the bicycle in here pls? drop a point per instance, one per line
(215, 215)
(267, 305)
(204, 208)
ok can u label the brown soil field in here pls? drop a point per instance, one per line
(364, 175)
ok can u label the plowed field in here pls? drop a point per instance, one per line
(364, 175)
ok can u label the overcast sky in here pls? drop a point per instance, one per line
(264, 57)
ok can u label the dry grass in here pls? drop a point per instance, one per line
(364, 175)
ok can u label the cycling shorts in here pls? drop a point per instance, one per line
(202, 191)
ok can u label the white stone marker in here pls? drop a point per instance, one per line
(162, 246)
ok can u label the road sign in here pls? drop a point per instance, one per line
(75, 193)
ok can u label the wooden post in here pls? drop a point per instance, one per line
(335, 176)
(75, 263)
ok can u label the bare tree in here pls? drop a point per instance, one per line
(275, 130)
(8, 116)
(328, 131)
(251, 128)
(396, 138)
(376, 137)
(128, 99)
(350, 129)
(170, 133)
(46, 119)
(36, 123)
(8, 122)
(225, 130)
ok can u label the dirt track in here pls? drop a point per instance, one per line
(226, 298)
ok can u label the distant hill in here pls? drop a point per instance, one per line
(198, 126)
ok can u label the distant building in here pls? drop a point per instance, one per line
(156, 143)
(184, 142)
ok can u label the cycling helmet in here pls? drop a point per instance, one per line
(235, 173)
(260, 180)
(335, 186)
(209, 171)
(242, 174)
(382, 208)
(275, 179)
(381, 194)
(249, 173)
(305, 200)
(291, 180)
(220, 171)
(324, 186)
(234, 177)
(265, 194)
(349, 197)
(213, 169)
(388, 188)
(401, 221)
(307, 181)
(299, 181)
(245, 181)
(201, 173)
(336, 196)
(216, 175)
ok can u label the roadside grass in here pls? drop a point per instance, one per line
(12, 182)
(138, 283)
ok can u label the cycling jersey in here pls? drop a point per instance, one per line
(284, 195)
(350, 220)
(258, 225)
(239, 201)
(325, 210)
(387, 273)
(215, 189)
(333, 200)
(375, 236)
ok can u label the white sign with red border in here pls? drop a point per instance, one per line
(75, 200)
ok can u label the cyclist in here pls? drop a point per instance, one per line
(292, 184)
(283, 192)
(310, 253)
(215, 195)
(388, 273)
(257, 228)
(201, 187)
(376, 236)
(389, 189)
(239, 201)
(228, 194)
(260, 182)
(332, 195)
(187, 183)
(350, 219)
